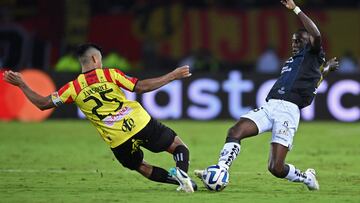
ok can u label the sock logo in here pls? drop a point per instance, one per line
(300, 176)
(224, 152)
(179, 157)
(234, 152)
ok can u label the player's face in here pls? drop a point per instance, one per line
(298, 42)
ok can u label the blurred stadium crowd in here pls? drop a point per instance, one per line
(42, 34)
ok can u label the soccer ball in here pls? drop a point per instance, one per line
(215, 178)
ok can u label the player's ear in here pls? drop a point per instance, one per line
(93, 58)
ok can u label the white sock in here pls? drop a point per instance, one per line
(295, 175)
(228, 154)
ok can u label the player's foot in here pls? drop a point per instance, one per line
(199, 173)
(194, 185)
(183, 179)
(311, 181)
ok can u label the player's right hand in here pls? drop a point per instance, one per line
(181, 72)
(288, 4)
(13, 78)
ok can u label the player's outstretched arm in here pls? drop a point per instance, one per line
(151, 84)
(315, 36)
(330, 66)
(15, 79)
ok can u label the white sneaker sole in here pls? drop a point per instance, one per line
(312, 173)
(183, 179)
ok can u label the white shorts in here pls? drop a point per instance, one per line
(282, 117)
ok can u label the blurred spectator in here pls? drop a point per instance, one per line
(201, 60)
(115, 60)
(67, 63)
(268, 62)
(348, 64)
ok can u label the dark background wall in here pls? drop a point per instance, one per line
(215, 37)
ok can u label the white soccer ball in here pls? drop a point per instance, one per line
(215, 178)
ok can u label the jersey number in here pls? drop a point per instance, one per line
(100, 104)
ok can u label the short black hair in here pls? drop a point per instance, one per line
(82, 49)
(301, 31)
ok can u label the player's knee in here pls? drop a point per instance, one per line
(181, 149)
(277, 170)
(235, 133)
(177, 146)
(131, 166)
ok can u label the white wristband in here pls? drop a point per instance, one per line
(297, 10)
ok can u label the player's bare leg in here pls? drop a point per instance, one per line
(276, 164)
(279, 169)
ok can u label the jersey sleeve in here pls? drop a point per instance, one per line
(65, 94)
(123, 80)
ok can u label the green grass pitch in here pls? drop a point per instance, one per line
(66, 161)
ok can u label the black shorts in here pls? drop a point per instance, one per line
(155, 137)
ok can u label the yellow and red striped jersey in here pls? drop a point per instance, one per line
(99, 96)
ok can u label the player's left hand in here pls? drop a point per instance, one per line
(333, 64)
(13, 78)
(181, 72)
(288, 4)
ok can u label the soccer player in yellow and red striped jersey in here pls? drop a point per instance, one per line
(123, 124)
(99, 97)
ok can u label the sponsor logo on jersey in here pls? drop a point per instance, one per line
(315, 91)
(285, 69)
(128, 124)
(290, 60)
(111, 119)
(281, 90)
